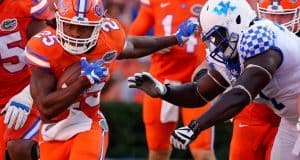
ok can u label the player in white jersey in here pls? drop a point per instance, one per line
(260, 58)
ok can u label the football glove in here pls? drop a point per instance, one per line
(94, 72)
(147, 83)
(17, 109)
(186, 29)
(183, 136)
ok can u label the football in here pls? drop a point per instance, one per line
(69, 75)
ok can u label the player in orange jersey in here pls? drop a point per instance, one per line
(175, 65)
(73, 128)
(287, 13)
(19, 123)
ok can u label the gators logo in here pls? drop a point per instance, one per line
(196, 9)
(9, 24)
(109, 56)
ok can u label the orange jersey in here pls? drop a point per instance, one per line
(15, 17)
(165, 16)
(45, 52)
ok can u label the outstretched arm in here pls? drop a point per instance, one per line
(140, 46)
(193, 94)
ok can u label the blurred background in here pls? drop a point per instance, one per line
(122, 106)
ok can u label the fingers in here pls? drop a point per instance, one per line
(13, 116)
(177, 144)
(8, 114)
(4, 109)
(99, 62)
(83, 62)
(135, 81)
(18, 120)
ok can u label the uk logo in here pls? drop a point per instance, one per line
(224, 8)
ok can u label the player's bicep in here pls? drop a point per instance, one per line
(211, 84)
(42, 83)
(259, 71)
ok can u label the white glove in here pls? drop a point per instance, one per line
(147, 83)
(183, 136)
(17, 109)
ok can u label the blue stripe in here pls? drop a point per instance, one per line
(35, 1)
(41, 11)
(20, 105)
(33, 126)
(78, 4)
(36, 54)
(85, 6)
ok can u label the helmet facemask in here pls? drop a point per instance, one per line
(288, 17)
(221, 43)
(75, 45)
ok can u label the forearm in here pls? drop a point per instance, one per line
(54, 103)
(184, 95)
(140, 46)
(226, 107)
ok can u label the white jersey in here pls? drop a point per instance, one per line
(284, 87)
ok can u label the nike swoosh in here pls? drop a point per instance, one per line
(163, 5)
(243, 125)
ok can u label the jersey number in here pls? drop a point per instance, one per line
(47, 37)
(110, 25)
(12, 58)
(167, 24)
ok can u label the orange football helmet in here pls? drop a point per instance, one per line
(83, 13)
(285, 12)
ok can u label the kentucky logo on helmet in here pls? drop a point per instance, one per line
(109, 56)
(224, 8)
(9, 24)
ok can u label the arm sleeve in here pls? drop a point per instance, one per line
(34, 56)
(256, 40)
(144, 21)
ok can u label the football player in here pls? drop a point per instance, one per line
(19, 122)
(284, 12)
(169, 66)
(258, 55)
(72, 126)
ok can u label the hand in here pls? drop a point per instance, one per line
(186, 29)
(17, 109)
(183, 136)
(145, 82)
(94, 72)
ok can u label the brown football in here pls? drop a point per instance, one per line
(70, 75)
